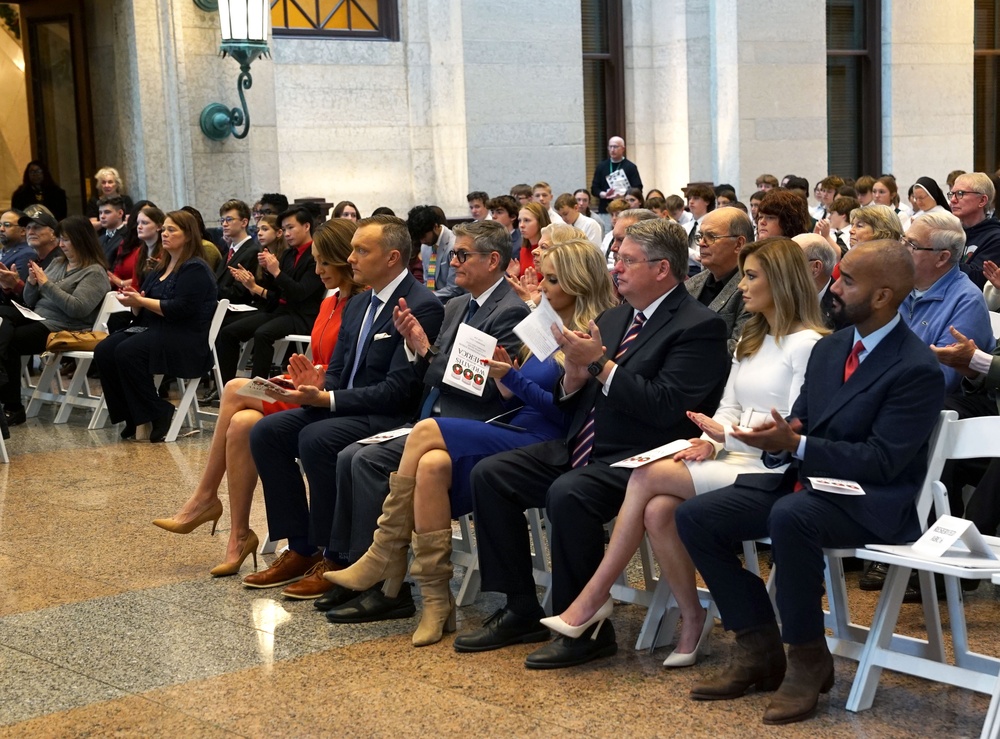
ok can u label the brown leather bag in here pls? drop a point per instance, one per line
(74, 341)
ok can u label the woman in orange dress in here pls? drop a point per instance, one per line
(229, 454)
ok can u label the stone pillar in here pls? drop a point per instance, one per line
(927, 89)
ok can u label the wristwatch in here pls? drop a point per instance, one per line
(597, 366)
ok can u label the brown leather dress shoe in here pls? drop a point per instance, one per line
(810, 673)
(312, 585)
(289, 567)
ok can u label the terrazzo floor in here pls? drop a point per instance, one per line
(112, 627)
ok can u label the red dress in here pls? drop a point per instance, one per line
(324, 338)
(526, 258)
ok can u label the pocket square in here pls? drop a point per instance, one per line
(381, 336)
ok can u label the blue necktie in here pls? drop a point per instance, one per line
(366, 328)
(432, 397)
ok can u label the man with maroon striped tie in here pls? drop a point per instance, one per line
(626, 388)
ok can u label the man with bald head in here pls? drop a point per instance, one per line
(723, 233)
(865, 413)
(601, 189)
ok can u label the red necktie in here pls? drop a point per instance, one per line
(852, 360)
(583, 443)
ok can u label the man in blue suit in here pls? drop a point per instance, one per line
(369, 387)
(869, 402)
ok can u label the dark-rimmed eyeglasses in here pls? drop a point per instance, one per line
(959, 194)
(461, 255)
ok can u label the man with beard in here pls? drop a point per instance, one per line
(865, 413)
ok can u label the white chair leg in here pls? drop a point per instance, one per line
(465, 554)
(182, 409)
(74, 390)
(267, 546)
(3, 452)
(49, 372)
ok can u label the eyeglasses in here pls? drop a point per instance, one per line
(629, 261)
(710, 238)
(914, 246)
(7, 224)
(462, 256)
(959, 194)
(226, 221)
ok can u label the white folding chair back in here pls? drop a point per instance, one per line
(77, 394)
(995, 323)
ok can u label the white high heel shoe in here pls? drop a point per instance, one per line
(679, 659)
(573, 632)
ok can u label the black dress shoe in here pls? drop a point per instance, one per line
(336, 597)
(15, 417)
(502, 629)
(209, 398)
(373, 605)
(567, 652)
(874, 578)
(160, 428)
(128, 432)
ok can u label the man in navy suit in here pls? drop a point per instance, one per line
(369, 387)
(626, 388)
(870, 400)
(479, 260)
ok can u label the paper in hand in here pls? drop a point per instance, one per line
(466, 369)
(536, 330)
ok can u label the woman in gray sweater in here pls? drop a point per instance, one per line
(67, 295)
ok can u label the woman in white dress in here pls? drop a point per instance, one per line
(767, 372)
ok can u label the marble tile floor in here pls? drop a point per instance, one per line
(112, 627)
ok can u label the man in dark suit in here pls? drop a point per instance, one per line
(111, 213)
(869, 403)
(666, 354)
(234, 216)
(479, 260)
(293, 292)
(723, 233)
(821, 258)
(368, 387)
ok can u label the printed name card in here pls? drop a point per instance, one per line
(536, 330)
(833, 485)
(949, 530)
(667, 450)
(385, 436)
(27, 312)
(258, 387)
(467, 369)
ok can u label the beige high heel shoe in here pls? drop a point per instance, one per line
(213, 513)
(231, 568)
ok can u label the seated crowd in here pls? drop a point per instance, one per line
(782, 342)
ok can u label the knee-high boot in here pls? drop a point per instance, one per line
(432, 570)
(386, 557)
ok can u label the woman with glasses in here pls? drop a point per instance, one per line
(767, 371)
(432, 486)
(67, 294)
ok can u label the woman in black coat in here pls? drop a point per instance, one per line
(169, 335)
(38, 187)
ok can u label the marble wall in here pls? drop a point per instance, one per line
(15, 140)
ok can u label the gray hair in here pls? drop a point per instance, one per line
(637, 214)
(662, 239)
(488, 236)
(818, 249)
(980, 182)
(945, 233)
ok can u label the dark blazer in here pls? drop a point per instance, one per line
(110, 244)
(728, 304)
(187, 299)
(229, 288)
(873, 429)
(299, 286)
(385, 384)
(497, 317)
(677, 363)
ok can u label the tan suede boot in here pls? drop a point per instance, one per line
(386, 557)
(432, 570)
(758, 661)
(810, 672)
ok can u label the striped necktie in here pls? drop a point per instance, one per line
(583, 442)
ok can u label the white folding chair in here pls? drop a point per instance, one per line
(302, 342)
(465, 554)
(188, 408)
(966, 439)
(995, 323)
(77, 394)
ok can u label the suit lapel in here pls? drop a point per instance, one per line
(725, 294)
(461, 306)
(663, 314)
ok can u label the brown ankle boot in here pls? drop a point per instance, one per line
(758, 661)
(386, 557)
(810, 672)
(432, 570)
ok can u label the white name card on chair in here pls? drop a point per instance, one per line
(951, 540)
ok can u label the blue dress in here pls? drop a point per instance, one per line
(469, 441)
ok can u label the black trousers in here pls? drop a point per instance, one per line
(18, 336)
(578, 502)
(800, 526)
(264, 329)
(123, 361)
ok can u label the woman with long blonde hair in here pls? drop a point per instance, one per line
(432, 486)
(767, 372)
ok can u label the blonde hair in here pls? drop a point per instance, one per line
(561, 232)
(113, 174)
(583, 273)
(883, 220)
(792, 290)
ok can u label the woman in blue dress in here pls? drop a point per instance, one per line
(431, 485)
